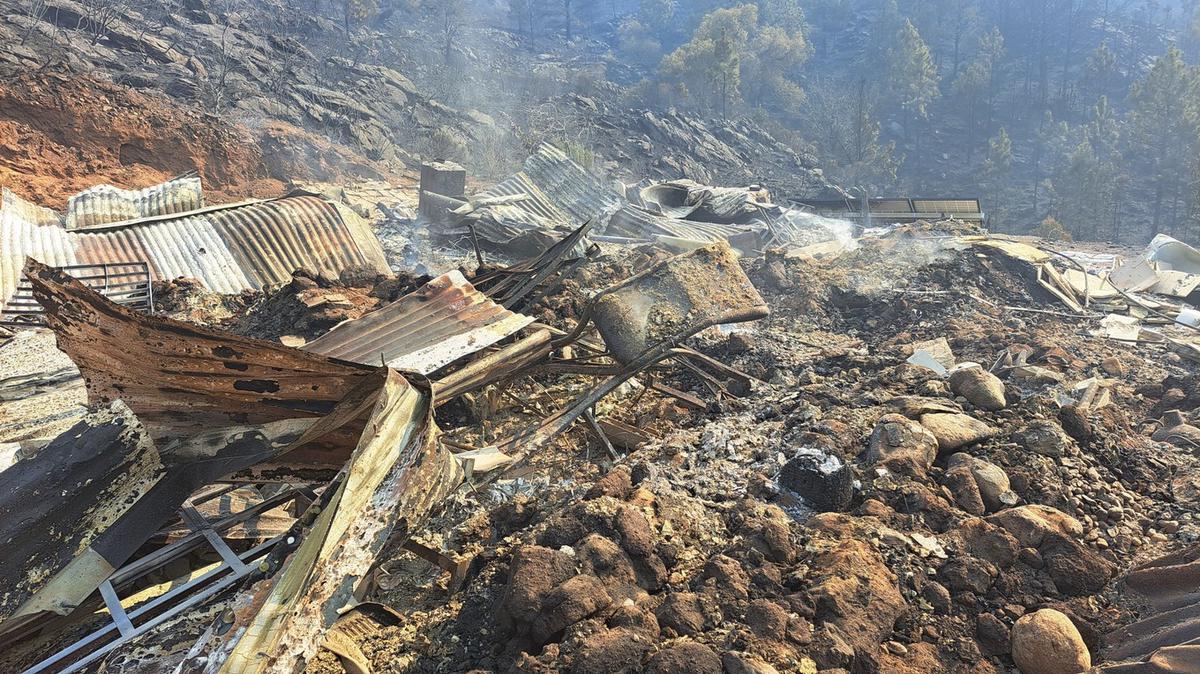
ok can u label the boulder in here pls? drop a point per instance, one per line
(1077, 571)
(987, 541)
(955, 430)
(607, 651)
(686, 658)
(983, 389)
(822, 480)
(1042, 437)
(1031, 523)
(1047, 642)
(899, 443)
(993, 483)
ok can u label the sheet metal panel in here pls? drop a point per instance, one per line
(638, 223)
(559, 190)
(27, 230)
(229, 249)
(425, 330)
(105, 204)
(191, 246)
(274, 238)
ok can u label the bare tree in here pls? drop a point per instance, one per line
(99, 16)
(35, 11)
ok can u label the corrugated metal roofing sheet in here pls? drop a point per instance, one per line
(228, 248)
(104, 204)
(423, 331)
(636, 222)
(559, 190)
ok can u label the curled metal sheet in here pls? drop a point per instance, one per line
(181, 379)
(425, 330)
(555, 185)
(397, 474)
(550, 192)
(228, 248)
(104, 204)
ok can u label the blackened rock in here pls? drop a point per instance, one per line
(822, 480)
(1076, 571)
(686, 658)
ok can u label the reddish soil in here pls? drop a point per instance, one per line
(60, 134)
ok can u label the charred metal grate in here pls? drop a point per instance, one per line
(125, 283)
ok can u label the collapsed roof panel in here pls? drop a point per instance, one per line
(397, 474)
(105, 463)
(635, 222)
(228, 248)
(556, 185)
(180, 378)
(423, 331)
(105, 204)
(550, 192)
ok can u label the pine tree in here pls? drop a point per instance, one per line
(975, 86)
(913, 76)
(1164, 126)
(996, 170)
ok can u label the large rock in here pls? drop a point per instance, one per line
(1047, 642)
(902, 444)
(982, 388)
(688, 657)
(987, 541)
(1076, 571)
(993, 483)
(1031, 523)
(954, 430)
(1042, 437)
(822, 480)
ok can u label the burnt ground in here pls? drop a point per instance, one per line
(689, 553)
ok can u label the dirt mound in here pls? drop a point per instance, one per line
(60, 134)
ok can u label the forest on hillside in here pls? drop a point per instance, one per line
(1075, 118)
(1071, 118)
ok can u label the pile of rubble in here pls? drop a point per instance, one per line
(905, 451)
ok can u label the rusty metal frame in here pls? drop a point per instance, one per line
(124, 283)
(233, 568)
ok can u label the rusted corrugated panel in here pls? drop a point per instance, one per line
(1166, 640)
(190, 246)
(180, 378)
(397, 474)
(105, 204)
(272, 239)
(228, 248)
(425, 330)
(27, 230)
(108, 247)
(557, 186)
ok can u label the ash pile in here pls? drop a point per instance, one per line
(660, 427)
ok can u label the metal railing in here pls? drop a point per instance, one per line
(126, 283)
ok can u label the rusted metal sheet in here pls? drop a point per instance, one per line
(228, 248)
(104, 204)
(556, 185)
(54, 546)
(272, 239)
(1166, 640)
(425, 330)
(180, 378)
(397, 474)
